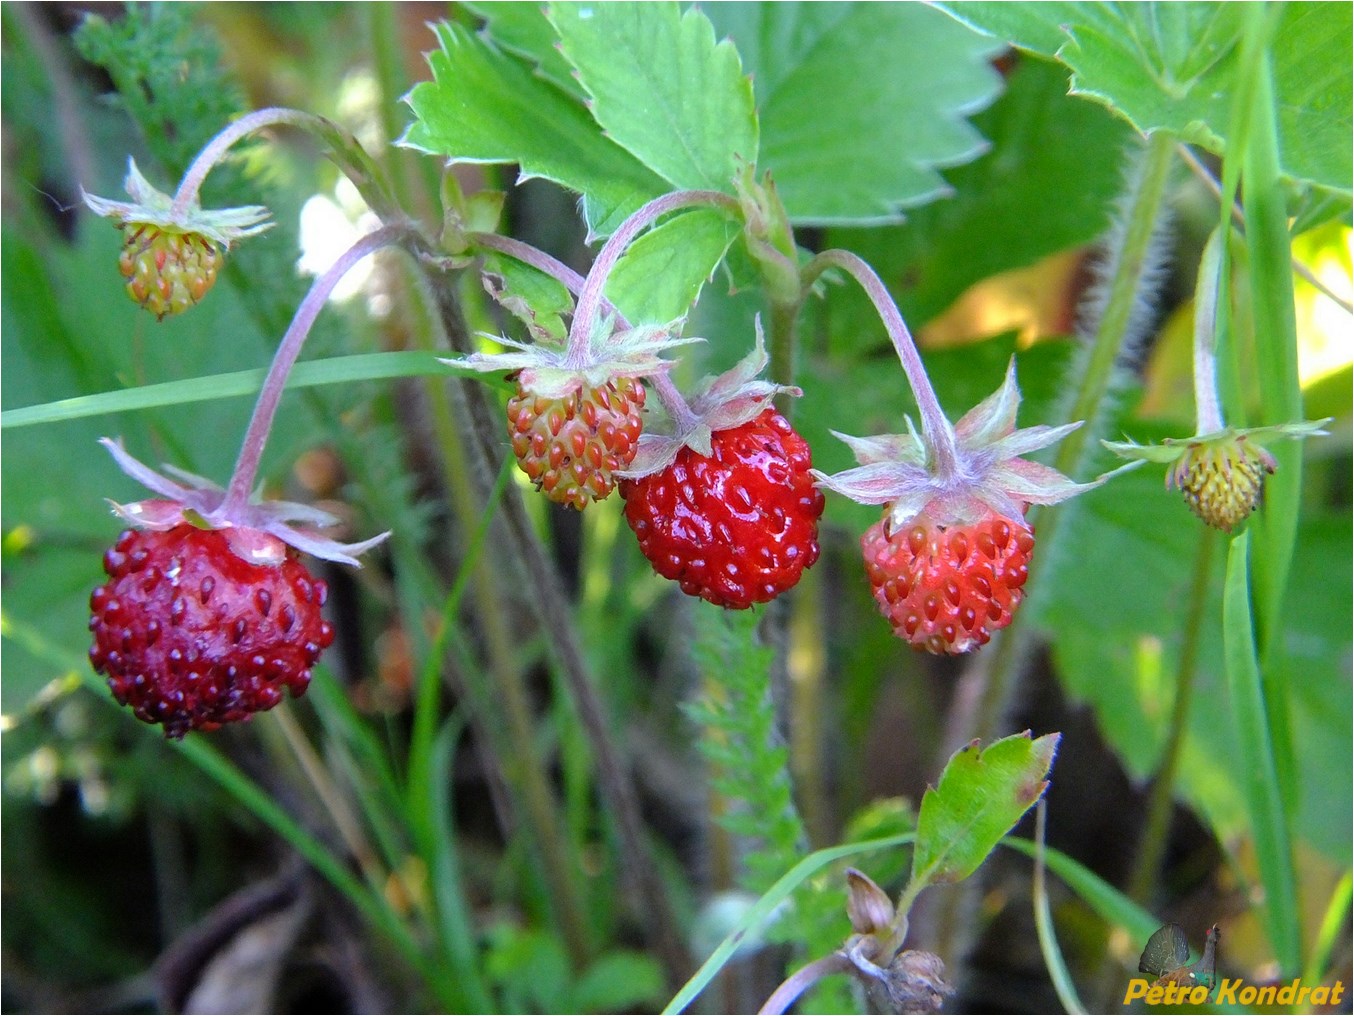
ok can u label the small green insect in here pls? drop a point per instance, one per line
(1167, 954)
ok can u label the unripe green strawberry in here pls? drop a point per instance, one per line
(167, 271)
(571, 447)
(171, 253)
(1222, 480)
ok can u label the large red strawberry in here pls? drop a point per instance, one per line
(737, 526)
(949, 559)
(192, 635)
(208, 613)
(725, 503)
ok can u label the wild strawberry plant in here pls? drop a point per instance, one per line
(554, 531)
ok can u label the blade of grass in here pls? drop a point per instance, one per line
(453, 918)
(1259, 775)
(1276, 365)
(1043, 923)
(372, 778)
(238, 384)
(1337, 912)
(1112, 906)
(430, 680)
(757, 914)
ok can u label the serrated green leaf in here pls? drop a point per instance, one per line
(663, 88)
(1000, 218)
(1173, 66)
(521, 27)
(981, 794)
(662, 272)
(486, 106)
(861, 103)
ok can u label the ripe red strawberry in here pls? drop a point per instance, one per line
(192, 635)
(949, 559)
(737, 526)
(570, 447)
(945, 589)
(207, 613)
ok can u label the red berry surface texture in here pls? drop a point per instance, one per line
(737, 526)
(946, 589)
(192, 636)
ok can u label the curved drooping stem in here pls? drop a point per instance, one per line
(251, 451)
(802, 980)
(1208, 411)
(590, 297)
(219, 145)
(935, 426)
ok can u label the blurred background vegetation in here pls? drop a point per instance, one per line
(130, 880)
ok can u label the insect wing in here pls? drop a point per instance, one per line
(1167, 951)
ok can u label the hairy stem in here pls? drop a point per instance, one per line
(1130, 268)
(1208, 412)
(936, 429)
(219, 145)
(548, 598)
(261, 423)
(590, 298)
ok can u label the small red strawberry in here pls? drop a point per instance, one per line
(570, 447)
(726, 505)
(949, 559)
(208, 614)
(192, 635)
(575, 421)
(170, 259)
(946, 589)
(737, 526)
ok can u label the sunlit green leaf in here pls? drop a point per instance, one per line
(1173, 66)
(663, 88)
(982, 793)
(484, 105)
(846, 140)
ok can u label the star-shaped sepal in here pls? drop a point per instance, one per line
(719, 402)
(1222, 473)
(989, 474)
(171, 258)
(259, 532)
